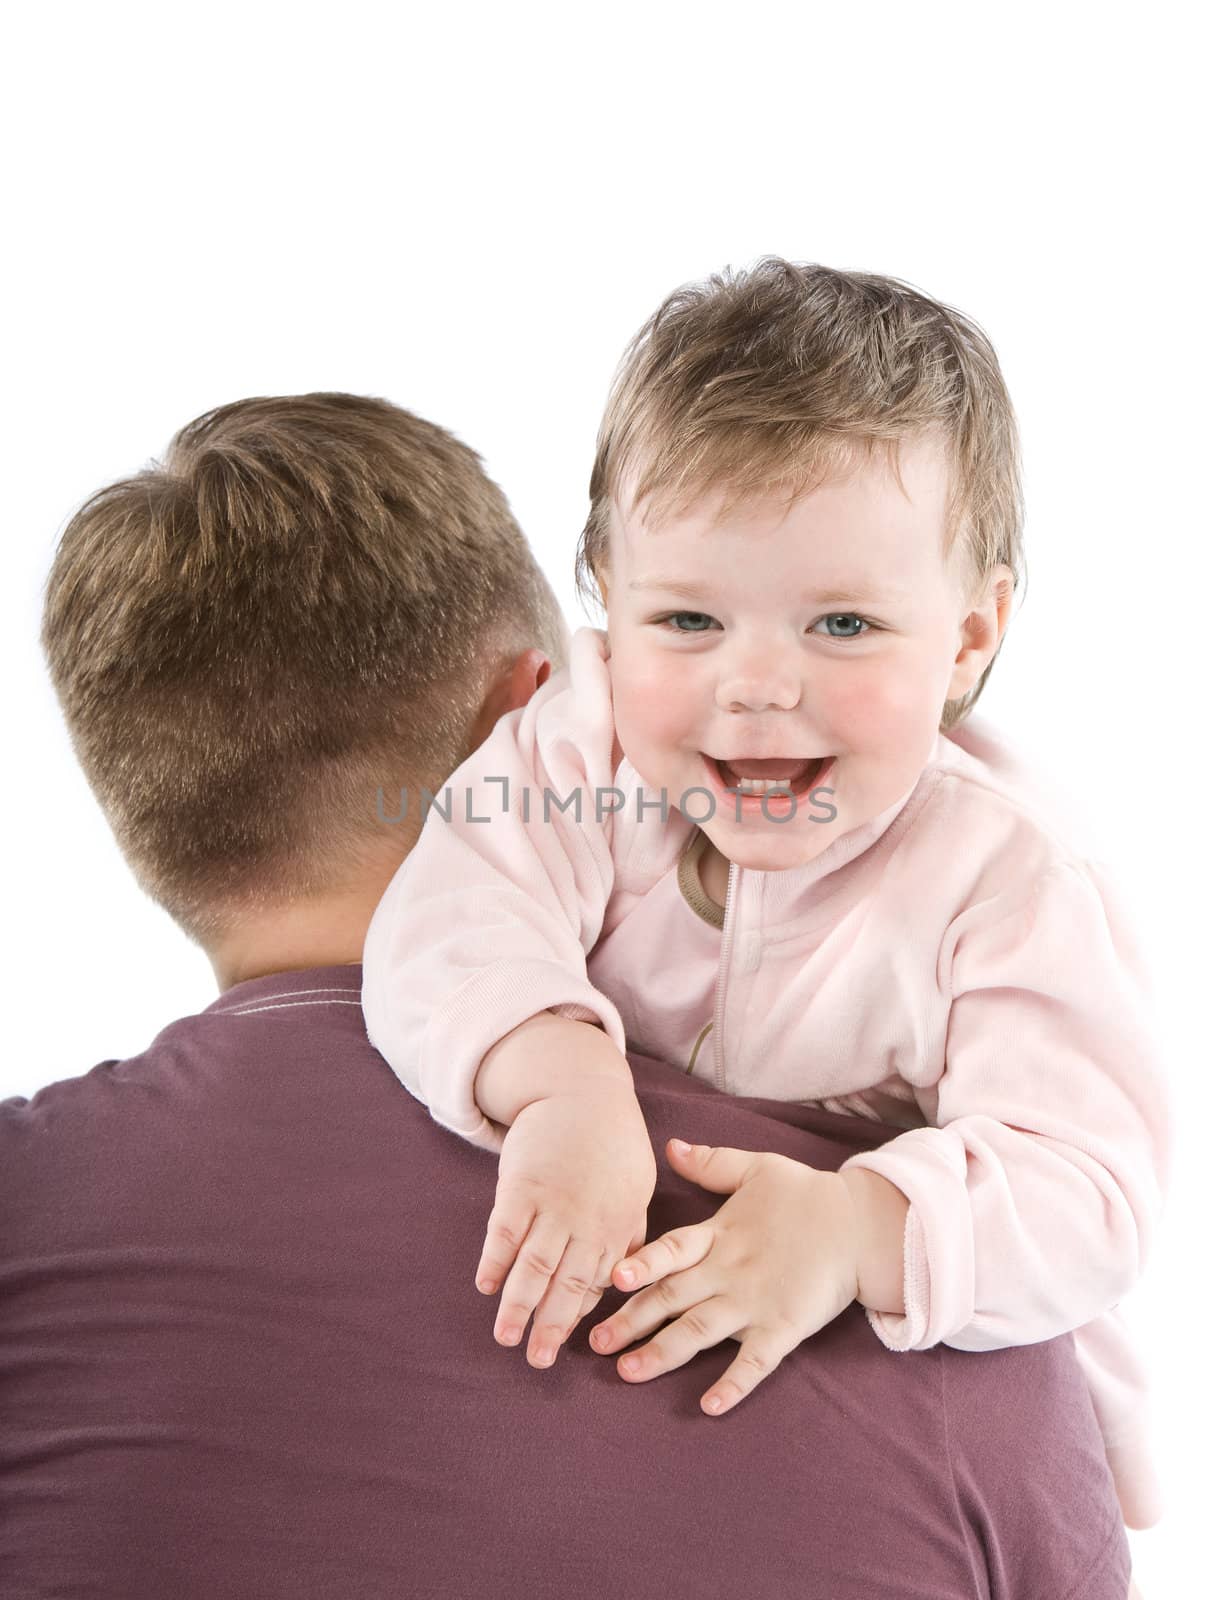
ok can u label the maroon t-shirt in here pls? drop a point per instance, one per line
(242, 1357)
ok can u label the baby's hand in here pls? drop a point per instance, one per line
(575, 1178)
(775, 1264)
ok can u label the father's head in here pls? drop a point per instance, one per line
(310, 598)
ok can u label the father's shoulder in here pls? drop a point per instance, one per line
(114, 1089)
(70, 1149)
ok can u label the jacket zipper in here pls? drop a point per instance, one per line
(722, 977)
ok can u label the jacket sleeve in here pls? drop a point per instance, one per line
(1035, 1196)
(489, 919)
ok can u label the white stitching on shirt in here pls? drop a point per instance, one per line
(286, 1005)
(326, 988)
(291, 994)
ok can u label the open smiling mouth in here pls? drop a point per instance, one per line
(772, 775)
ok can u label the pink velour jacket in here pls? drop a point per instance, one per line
(953, 967)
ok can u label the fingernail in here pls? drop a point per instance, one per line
(630, 1365)
(543, 1356)
(487, 1285)
(681, 1147)
(626, 1274)
(508, 1335)
(601, 1339)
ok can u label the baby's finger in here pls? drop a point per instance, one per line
(538, 1259)
(588, 1305)
(700, 1327)
(591, 1300)
(645, 1312)
(506, 1230)
(564, 1302)
(760, 1355)
(675, 1251)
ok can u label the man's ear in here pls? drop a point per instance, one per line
(517, 683)
(981, 632)
(513, 687)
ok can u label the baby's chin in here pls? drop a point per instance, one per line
(776, 852)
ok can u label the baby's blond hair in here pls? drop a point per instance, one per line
(772, 379)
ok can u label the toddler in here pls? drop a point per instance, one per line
(748, 832)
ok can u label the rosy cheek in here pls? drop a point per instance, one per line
(857, 703)
(882, 707)
(653, 706)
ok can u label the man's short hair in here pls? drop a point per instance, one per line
(769, 380)
(303, 602)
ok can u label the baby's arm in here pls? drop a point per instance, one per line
(476, 993)
(1034, 1198)
(489, 920)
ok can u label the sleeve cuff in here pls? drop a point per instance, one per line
(479, 1014)
(939, 1247)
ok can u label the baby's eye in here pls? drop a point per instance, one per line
(687, 621)
(844, 619)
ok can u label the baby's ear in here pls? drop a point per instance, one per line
(981, 632)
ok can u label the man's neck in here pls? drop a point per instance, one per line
(327, 931)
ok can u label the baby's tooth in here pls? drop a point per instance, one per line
(763, 786)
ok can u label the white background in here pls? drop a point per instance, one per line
(470, 212)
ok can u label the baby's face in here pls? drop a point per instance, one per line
(823, 639)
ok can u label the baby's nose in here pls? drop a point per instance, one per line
(763, 683)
